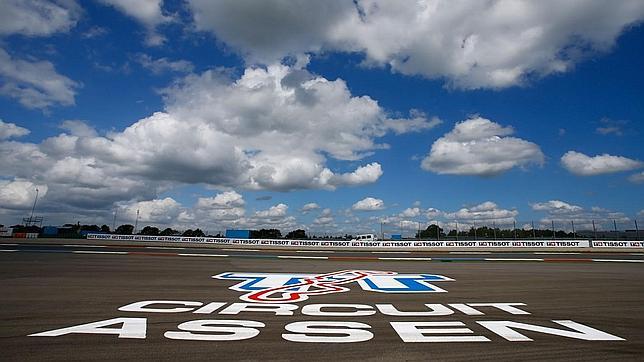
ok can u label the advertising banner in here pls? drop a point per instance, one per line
(414, 244)
(618, 244)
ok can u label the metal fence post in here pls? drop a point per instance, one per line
(494, 229)
(573, 228)
(553, 230)
(594, 230)
(637, 230)
(514, 224)
(534, 232)
(456, 230)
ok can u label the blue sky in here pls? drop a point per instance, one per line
(238, 114)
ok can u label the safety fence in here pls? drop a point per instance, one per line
(509, 229)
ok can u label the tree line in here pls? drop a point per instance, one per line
(431, 232)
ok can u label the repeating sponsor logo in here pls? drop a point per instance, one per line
(290, 288)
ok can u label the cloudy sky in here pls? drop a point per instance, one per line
(333, 116)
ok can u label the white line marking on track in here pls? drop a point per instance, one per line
(7, 250)
(512, 259)
(391, 252)
(98, 252)
(314, 251)
(163, 247)
(301, 257)
(470, 252)
(8, 244)
(217, 255)
(620, 260)
(84, 246)
(554, 253)
(241, 249)
(638, 254)
(414, 259)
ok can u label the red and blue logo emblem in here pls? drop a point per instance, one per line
(292, 288)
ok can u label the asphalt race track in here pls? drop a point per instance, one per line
(46, 287)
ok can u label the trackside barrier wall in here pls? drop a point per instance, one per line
(618, 244)
(418, 244)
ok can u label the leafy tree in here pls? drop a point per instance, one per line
(150, 230)
(198, 233)
(297, 234)
(105, 229)
(74, 227)
(125, 229)
(431, 232)
(266, 234)
(169, 232)
(90, 228)
(188, 232)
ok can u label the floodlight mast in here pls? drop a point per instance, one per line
(136, 222)
(31, 217)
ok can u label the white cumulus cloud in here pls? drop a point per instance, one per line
(309, 207)
(482, 44)
(10, 130)
(78, 128)
(410, 212)
(368, 204)
(224, 200)
(637, 178)
(147, 12)
(20, 194)
(276, 211)
(225, 207)
(556, 207)
(272, 128)
(325, 218)
(564, 214)
(34, 83)
(485, 212)
(158, 211)
(478, 146)
(161, 65)
(584, 165)
(38, 17)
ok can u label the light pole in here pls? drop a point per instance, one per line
(136, 222)
(31, 217)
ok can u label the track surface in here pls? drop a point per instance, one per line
(48, 287)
